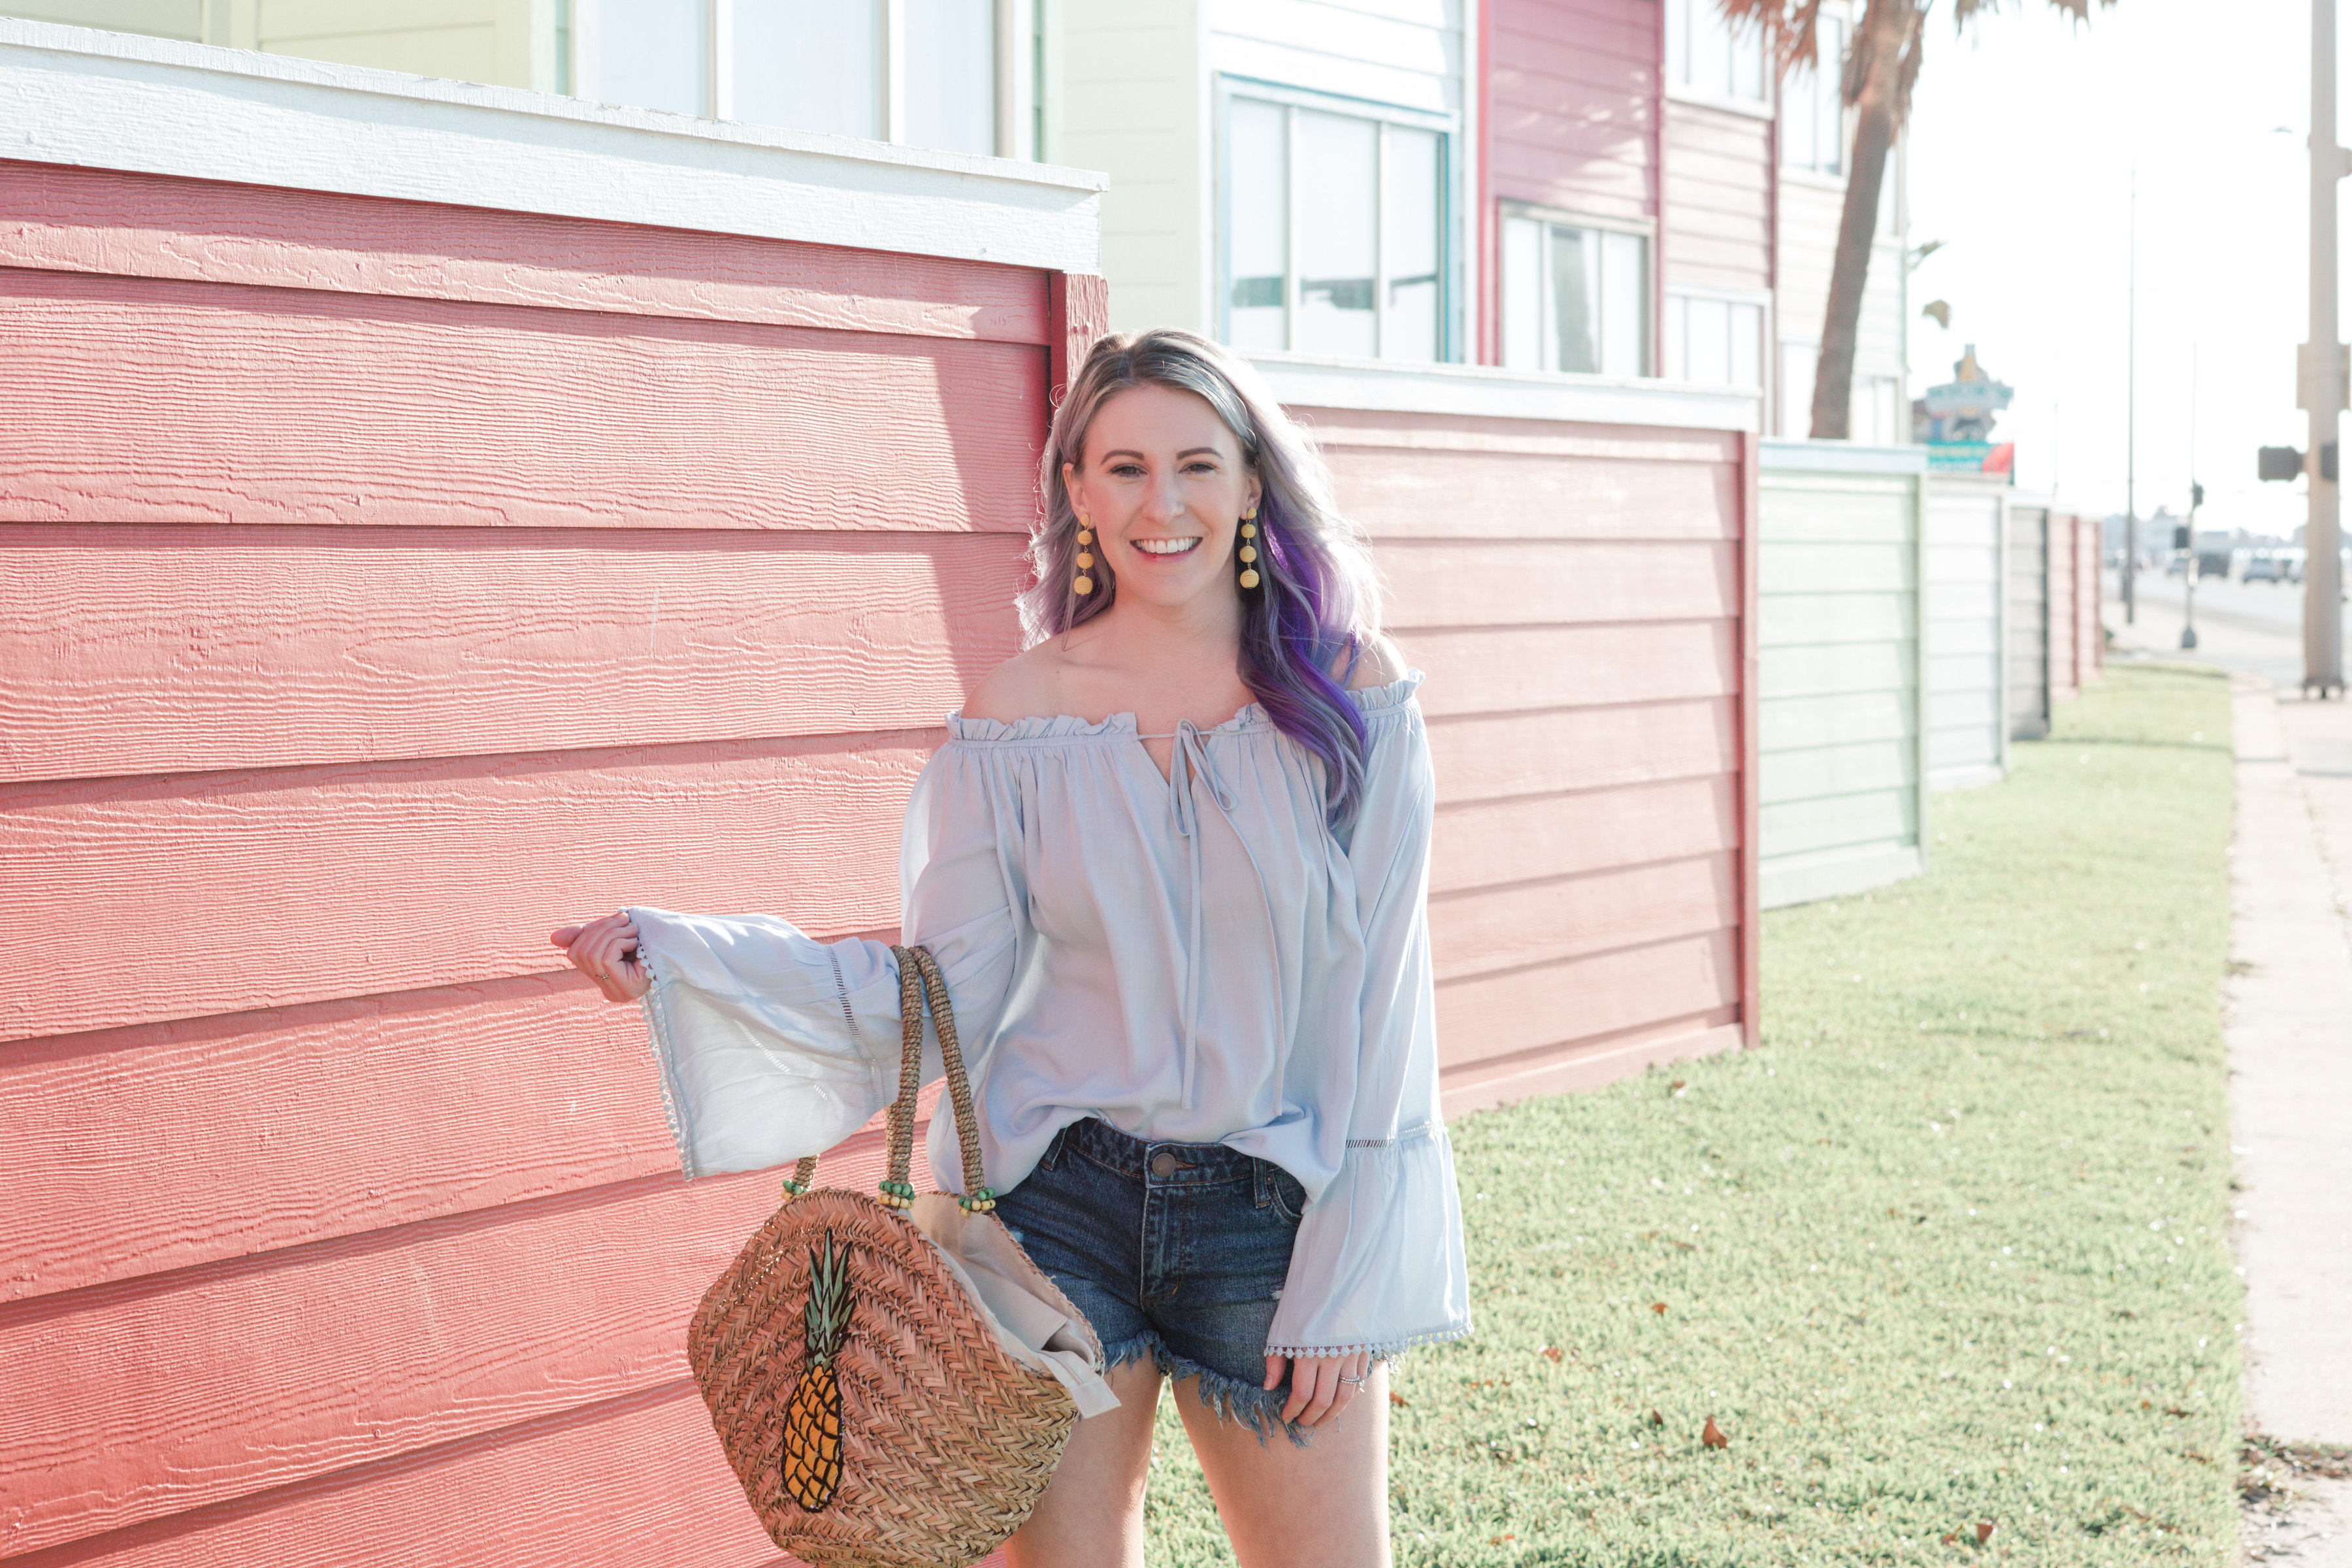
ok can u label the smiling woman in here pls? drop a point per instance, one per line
(1196, 474)
(1174, 865)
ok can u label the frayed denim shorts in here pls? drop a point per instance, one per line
(1174, 1250)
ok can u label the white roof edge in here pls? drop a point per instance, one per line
(1312, 382)
(119, 101)
(1780, 456)
(1969, 481)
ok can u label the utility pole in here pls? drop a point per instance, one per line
(2195, 499)
(2131, 404)
(2322, 379)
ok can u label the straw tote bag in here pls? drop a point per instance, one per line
(878, 1415)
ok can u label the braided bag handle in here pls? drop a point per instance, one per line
(919, 981)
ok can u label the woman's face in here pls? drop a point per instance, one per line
(1163, 486)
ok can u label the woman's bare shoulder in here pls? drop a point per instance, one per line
(1027, 686)
(1378, 663)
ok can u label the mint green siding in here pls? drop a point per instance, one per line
(1840, 773)
(1965, 587)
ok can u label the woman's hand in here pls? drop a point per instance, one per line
(1320, 1386)
(605, 950)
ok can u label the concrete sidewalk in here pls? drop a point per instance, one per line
(2289, 1022)
(2289, 1026)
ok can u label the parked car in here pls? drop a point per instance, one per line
(2265, 566)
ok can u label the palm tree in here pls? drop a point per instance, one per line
(1879, 71)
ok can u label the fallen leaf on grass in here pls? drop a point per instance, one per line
(1551, 1353)
(1984, 1532)
(1712, 1436)
(1395, 1398)
(1659, 1307)
(1498, 1540)
(1656, 1419)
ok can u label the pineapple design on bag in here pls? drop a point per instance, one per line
(813, 1418)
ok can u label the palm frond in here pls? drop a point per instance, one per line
(1963, 10)
(1792, 27)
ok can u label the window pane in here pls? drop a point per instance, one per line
(1576, 298)
(1257, 198)
(1623, 298)
(1797, 364)
(1409, 244)
(1678, 336)
(813, 65)
(951, 75)
(1523, 281)
(1678, 58)
(1747, 346)
(1334, 234)
(1711, 342)
(650, 53)
(1747, 63)
(1710, 49)
(1797, 119)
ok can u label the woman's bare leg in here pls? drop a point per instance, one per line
(1092, 1514)
(1323, 1506)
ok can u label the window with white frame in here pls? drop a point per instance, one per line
(1708, 56)
(1812, 105)
(922, 72)
(1715, 340)
(1576, 296)
(1799, 363)
(1334, 231)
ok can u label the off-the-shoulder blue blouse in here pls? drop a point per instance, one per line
(1194, 958)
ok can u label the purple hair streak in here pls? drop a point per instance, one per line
(1317, 602)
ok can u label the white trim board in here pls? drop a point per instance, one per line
(117, 100)
(1305, 381)
(1779, 454)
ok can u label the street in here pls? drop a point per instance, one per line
(2255, 627)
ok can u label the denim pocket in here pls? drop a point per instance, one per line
(1289, 1197)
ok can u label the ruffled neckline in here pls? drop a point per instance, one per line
(1371, 699)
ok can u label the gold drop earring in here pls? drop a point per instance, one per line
(1249, 551)
(1084, 584)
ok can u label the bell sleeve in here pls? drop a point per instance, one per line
(1379, 1264)
(772, 1045)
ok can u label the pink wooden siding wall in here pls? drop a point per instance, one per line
(1572, 96)
(386, 582)
(1571, 116)
(2065, 608)
(1582, 599)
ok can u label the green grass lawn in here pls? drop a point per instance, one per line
(1946, 1250)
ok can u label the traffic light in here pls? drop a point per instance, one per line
(2181, 536)
(2280, 463)
(2196, 495)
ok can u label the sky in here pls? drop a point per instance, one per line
(2028, 133)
